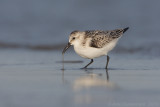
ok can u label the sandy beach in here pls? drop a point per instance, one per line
(35, 79)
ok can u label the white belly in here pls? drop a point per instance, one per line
(90, 53)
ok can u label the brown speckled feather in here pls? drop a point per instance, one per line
(101, 38)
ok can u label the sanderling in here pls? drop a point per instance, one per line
(94, 43)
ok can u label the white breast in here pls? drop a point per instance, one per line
(90, 52)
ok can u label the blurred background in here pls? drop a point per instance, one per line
(46, 24)
(33, 34)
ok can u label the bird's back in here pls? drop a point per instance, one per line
(101, 38)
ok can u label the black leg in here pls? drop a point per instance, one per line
(107, 62)
(89, 63)
(107, 75)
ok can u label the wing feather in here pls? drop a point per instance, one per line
(101, 38)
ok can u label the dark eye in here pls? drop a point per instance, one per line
(73, 38)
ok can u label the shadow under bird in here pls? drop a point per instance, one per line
(94, 43)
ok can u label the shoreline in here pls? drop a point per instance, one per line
(35, 78)
(153, 50)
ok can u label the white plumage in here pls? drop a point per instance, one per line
(94, 43)
(91, 52)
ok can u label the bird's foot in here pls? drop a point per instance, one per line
(84, 68)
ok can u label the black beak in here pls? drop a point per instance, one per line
(65, 49)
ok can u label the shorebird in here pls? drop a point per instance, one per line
(91, 44)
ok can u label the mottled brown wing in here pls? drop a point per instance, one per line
(101, 38)
(116, 33)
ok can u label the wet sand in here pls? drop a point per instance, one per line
(35, 79)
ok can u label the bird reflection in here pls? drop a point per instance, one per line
(92, 80)
(89, 71)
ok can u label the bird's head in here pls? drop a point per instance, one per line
(74, 37)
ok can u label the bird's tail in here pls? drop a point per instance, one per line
(125, 29)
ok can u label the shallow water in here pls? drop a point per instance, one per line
(35, 79)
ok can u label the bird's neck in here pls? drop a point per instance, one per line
(78, 44)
